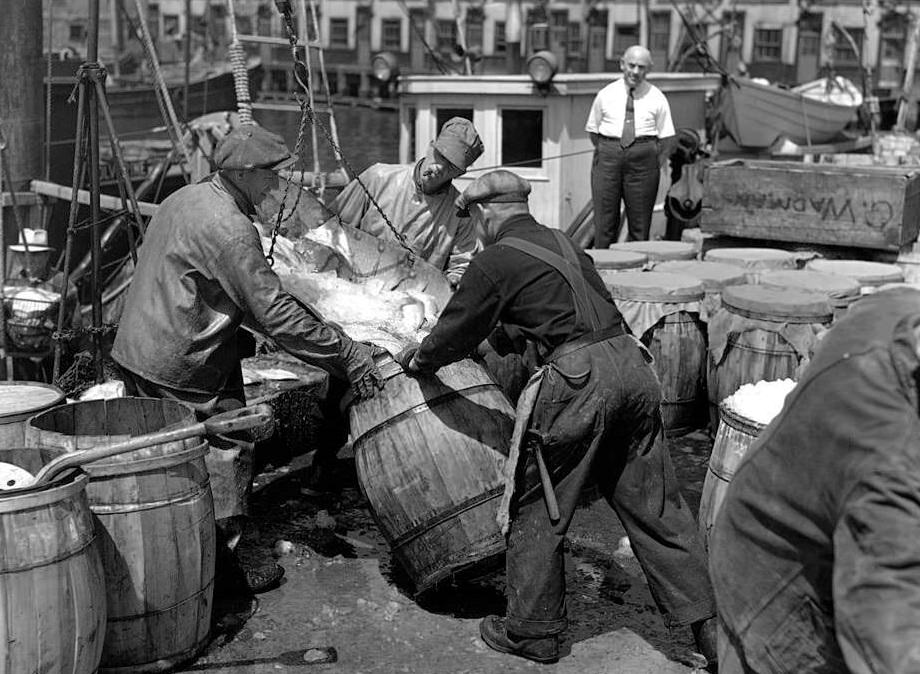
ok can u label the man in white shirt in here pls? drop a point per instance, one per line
(627, 122)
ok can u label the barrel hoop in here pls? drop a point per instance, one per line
(135, 616)
(49, 562)
(116, 508)
(777, 318)
(422, 407)
(430, 524)
(739, 422)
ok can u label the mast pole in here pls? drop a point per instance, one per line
(92, 57)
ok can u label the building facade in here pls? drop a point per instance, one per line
(788, 41)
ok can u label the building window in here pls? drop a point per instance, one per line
(447, 35)
(391, 34)
(659, 34)
(338, 33)
(499, 46)
(843, 49)
(77, 32)
(474, 34)
(625, 35)
(170, 24)
(522, 138)
(243, 24)
(768, 45)
(576, 45)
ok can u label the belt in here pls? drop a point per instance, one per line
(639, 139)
(587, 339)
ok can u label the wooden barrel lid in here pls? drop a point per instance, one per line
(752, 258)
(659, 250)
(714, 275)
(653, 286)
(772, 303)
(24, 398)
(607, 258)
(839, 289)
(867, 273)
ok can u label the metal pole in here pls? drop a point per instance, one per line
(6, 363)
(92, 56)
(188, 57)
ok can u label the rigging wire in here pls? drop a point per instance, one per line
(436, 57)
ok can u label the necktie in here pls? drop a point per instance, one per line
(628, 137)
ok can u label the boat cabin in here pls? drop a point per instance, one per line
(536, 131)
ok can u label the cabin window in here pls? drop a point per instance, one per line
(768, 45)
(843, 49)
(499, 46)
(391, 34)
(443, 114)
(625, 35)
(338, 33)
(447, 35)
(522, 138)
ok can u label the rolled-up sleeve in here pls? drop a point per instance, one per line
(245, 276)
(877, 570)
(466, 245)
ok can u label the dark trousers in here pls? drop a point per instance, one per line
(630, 175)
(604, 426)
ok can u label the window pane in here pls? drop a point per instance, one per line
(843, 50)
(660, 31)
(624, 36)
(391, 37)
(768, 44)
(522, 138)
(447, 34)
(500, 45)
(338, 32)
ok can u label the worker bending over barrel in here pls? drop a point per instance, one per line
(590, 412)
(416, 201)
(814, 555)
(200, 275)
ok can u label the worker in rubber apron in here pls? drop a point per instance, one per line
(201, 275)
(815, 553)
(417, 201)
(591, 412)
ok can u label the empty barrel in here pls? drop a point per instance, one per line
(156, 526)
(429, 453)
(663, 311)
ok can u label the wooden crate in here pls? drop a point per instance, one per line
(862, 206)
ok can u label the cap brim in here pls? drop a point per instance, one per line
(284, 163)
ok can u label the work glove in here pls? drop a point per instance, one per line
(360, 368)
(406, 360)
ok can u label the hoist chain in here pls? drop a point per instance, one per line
(307, 112)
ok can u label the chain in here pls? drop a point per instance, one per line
(308, 112)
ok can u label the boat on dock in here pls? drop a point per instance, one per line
(757, 115)
(537, 131)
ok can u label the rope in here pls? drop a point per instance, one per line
(237, 56)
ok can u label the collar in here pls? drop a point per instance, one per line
(241, 200)
(641, 90)
(514, 224)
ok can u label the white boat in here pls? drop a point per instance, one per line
(538, 133)
(758, 115)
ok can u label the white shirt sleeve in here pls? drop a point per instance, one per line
(663, 119)
(594, 115)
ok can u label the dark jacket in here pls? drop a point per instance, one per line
(201, 273)
(815, 554)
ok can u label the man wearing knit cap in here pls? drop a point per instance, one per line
(200, 275)
(591, 412)
(418, 200)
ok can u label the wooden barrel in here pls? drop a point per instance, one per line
(677, 340)
(761, 352)
(713, 275)
(19, 400)
(841, 291)
(156, 525)
(735, 435)
(429, 454)
(658, 250)
(869, 275)
(753, 260)
(52, 584)
(616, 260)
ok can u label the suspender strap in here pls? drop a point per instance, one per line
(586, 297)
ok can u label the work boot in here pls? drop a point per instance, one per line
(544, 650)
(264, 577)
(705, 634)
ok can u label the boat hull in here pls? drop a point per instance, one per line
(757, 115)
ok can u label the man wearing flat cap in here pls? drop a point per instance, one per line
(200, 276)
(590, 412)
(418, 200)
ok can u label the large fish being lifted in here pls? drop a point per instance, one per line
(367, 286)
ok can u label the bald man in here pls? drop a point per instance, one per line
(627, 124)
